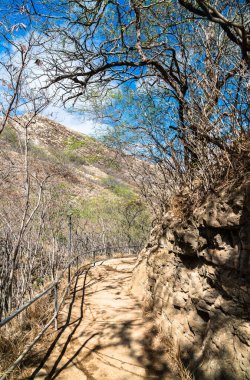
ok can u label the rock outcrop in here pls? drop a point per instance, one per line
(195, 276)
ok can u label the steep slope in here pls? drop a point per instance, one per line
(88, 159)
(79, 162)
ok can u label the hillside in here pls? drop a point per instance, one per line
(81, 160)
(64, 174)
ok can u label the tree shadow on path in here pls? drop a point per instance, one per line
(120, 333)
(64, 327)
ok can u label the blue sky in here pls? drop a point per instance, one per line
(11, 14)
(74, 120)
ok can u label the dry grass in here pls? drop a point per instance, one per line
(21, 331)
(148, 305)
(166, 343)
(172, 352)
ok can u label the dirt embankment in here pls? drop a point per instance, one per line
(194, 276)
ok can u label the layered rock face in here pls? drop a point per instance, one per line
(195, 274)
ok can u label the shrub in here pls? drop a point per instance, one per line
(118, 188)
(38, 152)
(74, 143)
(75, 158)
(10, 135)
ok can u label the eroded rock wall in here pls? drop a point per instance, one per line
(195, 275)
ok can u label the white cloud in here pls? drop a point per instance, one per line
(72, 120)
(35, 80)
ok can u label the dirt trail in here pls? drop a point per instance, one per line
(102, 333)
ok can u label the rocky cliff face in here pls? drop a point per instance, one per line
(195, 274)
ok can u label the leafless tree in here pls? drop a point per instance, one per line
(18, 97)
(232, 16)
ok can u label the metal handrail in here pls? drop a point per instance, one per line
(54, 283)
(26, 305)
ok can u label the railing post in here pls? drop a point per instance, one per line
(77, 263)
(56, 304)
(70, 247)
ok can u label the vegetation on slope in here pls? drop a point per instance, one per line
(41, 187)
